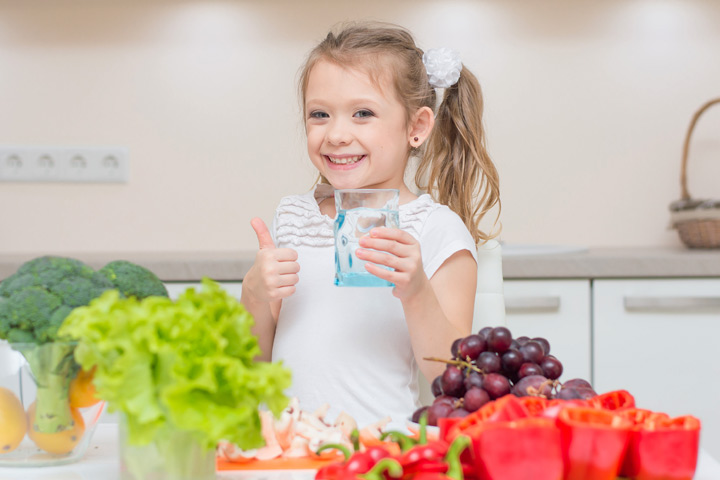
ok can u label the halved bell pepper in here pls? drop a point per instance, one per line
(523, 449)
(615, 400)
(506, 408)
(660, 447)
(534, 405)
(593, 442)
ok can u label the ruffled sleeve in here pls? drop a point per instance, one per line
(298, 221)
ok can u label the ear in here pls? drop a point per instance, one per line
(421, 124)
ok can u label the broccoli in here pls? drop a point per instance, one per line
(34, 302)
(133, 280)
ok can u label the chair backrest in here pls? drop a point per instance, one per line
(489, 296)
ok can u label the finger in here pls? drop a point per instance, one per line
(380, 258)
(390, 246)
(393, 234)
(285, 254)
(287, 280)
(284, 292)
(284, 268)
(263, 234)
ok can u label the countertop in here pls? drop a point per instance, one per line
(518, 263)
(101, 461)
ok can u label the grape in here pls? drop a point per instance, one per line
(471, 346)
(475, 398)
(527, 369)
(522, 340)
(514, 345)
(576, 393)
(527, 386)
(499, 340)
(551, 367)
(532, 352)
(473, 379)
(496, 385)
(454, 347)
(418, 413)
(458, 413)
(438, 410)
(512, 360)
(452, 381)
(577, 382)
(543, 343)
(436, 386)
(445, 399)
(489, 362)
(485, 331)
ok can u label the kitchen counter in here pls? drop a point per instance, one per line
(631, 262)
(101, 461)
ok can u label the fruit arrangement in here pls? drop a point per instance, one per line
(490, 364)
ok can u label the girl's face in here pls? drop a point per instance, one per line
(357, 132)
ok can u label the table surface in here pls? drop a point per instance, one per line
(101, 461)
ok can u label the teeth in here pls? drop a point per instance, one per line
(345, 160)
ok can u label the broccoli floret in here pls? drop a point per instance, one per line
(34, 303)
(133, 280)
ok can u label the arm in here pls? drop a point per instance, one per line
(271, 278)
(437, 310)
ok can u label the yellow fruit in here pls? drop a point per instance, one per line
(12, 421)
(57, 442)
(82, 390)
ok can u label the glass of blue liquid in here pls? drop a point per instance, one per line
(358, 212)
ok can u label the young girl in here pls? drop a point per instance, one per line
(368, 95)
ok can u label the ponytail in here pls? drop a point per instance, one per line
(455, 167)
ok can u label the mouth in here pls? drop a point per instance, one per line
(344, 160)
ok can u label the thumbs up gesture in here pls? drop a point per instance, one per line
(274, 274)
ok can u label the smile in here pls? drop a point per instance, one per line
(345, 160)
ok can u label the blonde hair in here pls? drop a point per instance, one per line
(454, 168)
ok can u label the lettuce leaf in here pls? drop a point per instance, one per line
(187, 363)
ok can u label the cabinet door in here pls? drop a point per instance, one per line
(558, 310)
(658, 339)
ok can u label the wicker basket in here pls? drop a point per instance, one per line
(697, 221)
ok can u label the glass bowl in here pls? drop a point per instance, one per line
(47, 411)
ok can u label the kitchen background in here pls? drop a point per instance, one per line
(587, 106)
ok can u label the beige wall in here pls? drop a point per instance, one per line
(587, 104)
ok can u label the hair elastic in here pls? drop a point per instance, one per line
(443, 66)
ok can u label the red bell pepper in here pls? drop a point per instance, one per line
(615, 400)
(454, 467)
(593, 442)
(534, 405)
(506, 408)
(523, 449)
(660, 447)
(354, 464)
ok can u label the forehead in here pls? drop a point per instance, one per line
(328, 76)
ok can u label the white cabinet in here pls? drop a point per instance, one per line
(558, 310)
(659, 339)
(176, 288)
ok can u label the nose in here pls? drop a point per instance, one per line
(339, 133)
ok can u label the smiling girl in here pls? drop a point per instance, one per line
(369, 101)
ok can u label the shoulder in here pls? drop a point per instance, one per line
(425, 216)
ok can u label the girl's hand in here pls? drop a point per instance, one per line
(274, 274)
(399, 250)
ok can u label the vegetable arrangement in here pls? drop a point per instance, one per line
(536, 438)
(188, 364)
(34, 302)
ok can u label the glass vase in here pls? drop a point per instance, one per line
(42, 422)
(173, 454)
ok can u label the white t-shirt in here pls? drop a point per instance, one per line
(350, 347)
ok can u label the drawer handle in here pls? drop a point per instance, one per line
(671, 304)
(531, 304)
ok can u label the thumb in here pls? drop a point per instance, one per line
(263, 234)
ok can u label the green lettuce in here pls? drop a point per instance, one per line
(187, 363)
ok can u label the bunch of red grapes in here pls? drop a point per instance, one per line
(490, 364)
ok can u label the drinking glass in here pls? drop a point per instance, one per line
(359, 211)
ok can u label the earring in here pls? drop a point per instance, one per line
(416, 139)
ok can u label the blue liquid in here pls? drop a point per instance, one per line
(350, 270)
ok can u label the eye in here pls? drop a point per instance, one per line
(364, 114)
(318, 114)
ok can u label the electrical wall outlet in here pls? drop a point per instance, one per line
(63, 164)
